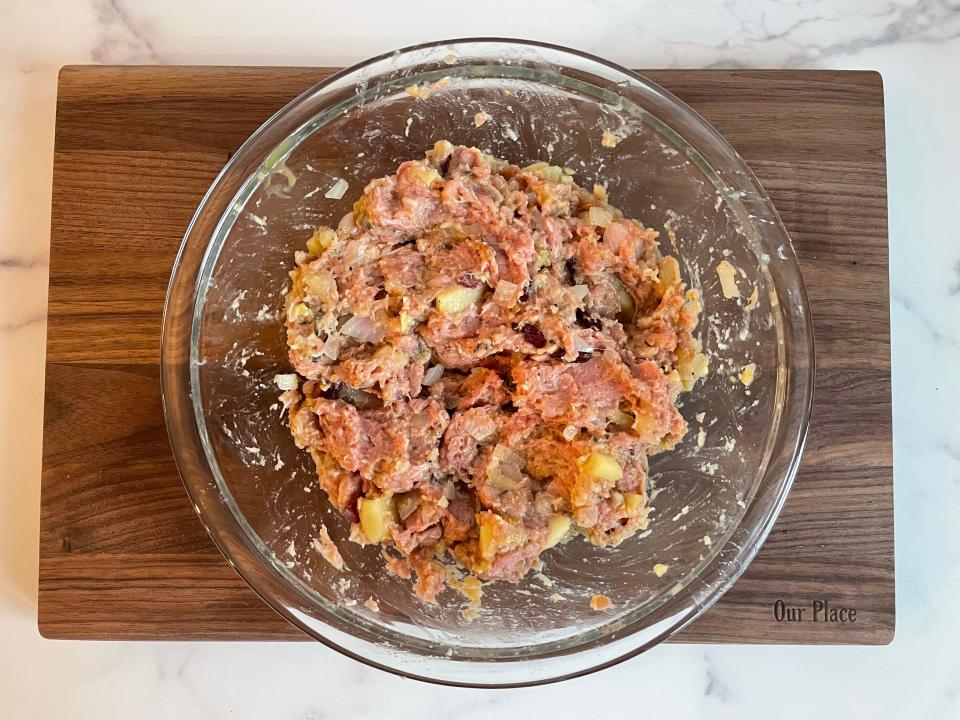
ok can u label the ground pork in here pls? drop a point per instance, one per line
(487, 354)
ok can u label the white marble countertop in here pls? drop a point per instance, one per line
(915, 44)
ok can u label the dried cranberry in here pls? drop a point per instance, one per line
(533, 335)
(351, 511)
(380, 294)
(524, 296)
(468, 280)
(588, 321)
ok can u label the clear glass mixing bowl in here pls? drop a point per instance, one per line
(716, 495)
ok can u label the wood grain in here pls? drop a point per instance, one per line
(122, 555)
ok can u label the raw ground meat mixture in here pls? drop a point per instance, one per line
(487, 355)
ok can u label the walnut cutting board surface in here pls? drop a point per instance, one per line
(122, 554)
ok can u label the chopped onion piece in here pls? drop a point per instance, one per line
(581, 345)
(481, 427)
(337, 190)
(346, 223)
(286, 381)
(322, 286)
(331, 348)
(503, 471)
(432, 375)
(503, 454)
(599, 216)
(579, 291)
(363, 329)
(354, 253)
(407, 504)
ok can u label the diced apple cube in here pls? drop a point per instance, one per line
(557, 528)
(389, 355)
(632, 502)
(300, 313)
(600, 466)
(421, 175)
(498, 535)
(487, 547)
(321, 286)
(376, 516)
(456, 299)
(321, 240)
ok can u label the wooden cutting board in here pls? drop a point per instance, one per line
(122, 554)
